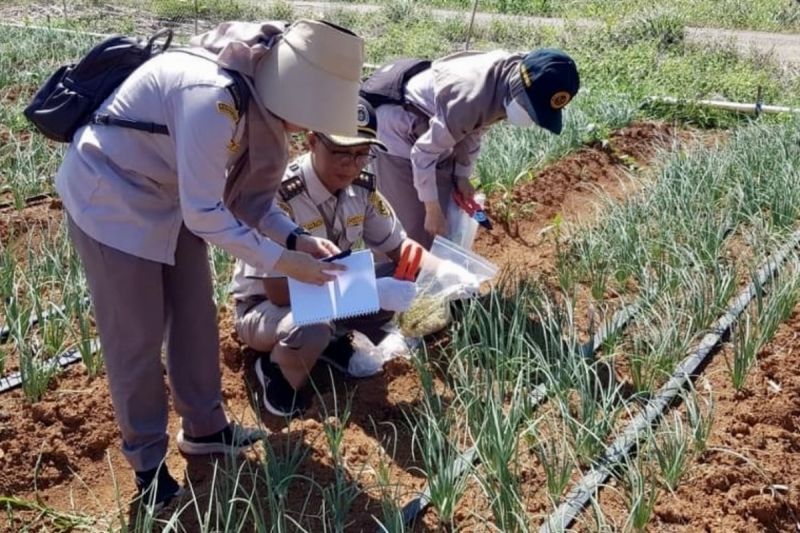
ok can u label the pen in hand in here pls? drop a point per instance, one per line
(340, 255)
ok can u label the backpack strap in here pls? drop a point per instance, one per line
(104, 119)
(238, 89)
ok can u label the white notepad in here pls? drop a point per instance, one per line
(352, 293)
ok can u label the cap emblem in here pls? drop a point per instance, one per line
(560, 99)
(363, 116)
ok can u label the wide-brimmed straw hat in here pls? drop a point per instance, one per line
(311, 77)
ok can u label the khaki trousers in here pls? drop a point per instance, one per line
(266, 327)
(396, 183)
(137, 303)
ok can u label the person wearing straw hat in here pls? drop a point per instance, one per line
(141, 207)
(432, 117)
(328, 192)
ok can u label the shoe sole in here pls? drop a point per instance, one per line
(206, 448)
(262, 379)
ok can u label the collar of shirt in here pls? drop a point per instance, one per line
(316, 189)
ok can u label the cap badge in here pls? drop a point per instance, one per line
(363, 116)
(560, 99)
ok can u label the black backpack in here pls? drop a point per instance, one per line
(387, 85)
(71, 95)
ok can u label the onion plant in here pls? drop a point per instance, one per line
(641, 493)
(86, 343)
(221, 269)
(671, 447)
(436, 440)
(339, 495)
(554, 454)
(700, 415)
(746, 343)
(36, 371)
(591, 412)
(777, 306)
(497, 443)
(391, 520)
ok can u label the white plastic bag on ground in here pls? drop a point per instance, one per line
(368, 359)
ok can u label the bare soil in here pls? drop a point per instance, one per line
(65, 450)
(747, 479)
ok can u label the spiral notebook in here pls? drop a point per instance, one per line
(352, 293)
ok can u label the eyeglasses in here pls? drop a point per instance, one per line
(342, 157)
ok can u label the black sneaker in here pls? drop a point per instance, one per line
(232, 439)
(157, 487)
(279, 397)
(339, 352)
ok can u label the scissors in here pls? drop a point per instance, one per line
(473, 209)
(409, 265)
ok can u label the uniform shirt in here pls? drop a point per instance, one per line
(132, 190)
(451, 130)
(355, 213)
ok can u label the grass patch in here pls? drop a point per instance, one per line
(770, 15)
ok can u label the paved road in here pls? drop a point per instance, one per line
(785, 46)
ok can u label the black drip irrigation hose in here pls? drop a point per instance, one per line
(624, 445)
(73, 355)
(470, 457)
(30, 200)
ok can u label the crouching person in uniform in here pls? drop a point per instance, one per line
(326, 192)
(432, 117)
(142, 205)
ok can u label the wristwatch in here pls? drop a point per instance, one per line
(291, 240)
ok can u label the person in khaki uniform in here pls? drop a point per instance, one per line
(433, 120)
(327, 193)
(142, 206)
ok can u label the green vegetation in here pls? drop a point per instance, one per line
(770, 15)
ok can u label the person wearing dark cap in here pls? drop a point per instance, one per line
(432, 116)
(328, 193)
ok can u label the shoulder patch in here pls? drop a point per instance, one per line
(366, 180)
(291, 187)
(228, 110)
(380, 204)
(233, 146)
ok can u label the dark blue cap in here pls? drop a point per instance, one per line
(548, 79)
(367, 128)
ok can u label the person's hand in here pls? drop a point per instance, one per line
(435, 222)
(316, 246)
(303, 267)
(395, 295)
(465, 188)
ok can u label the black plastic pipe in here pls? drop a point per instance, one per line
(624, 445)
